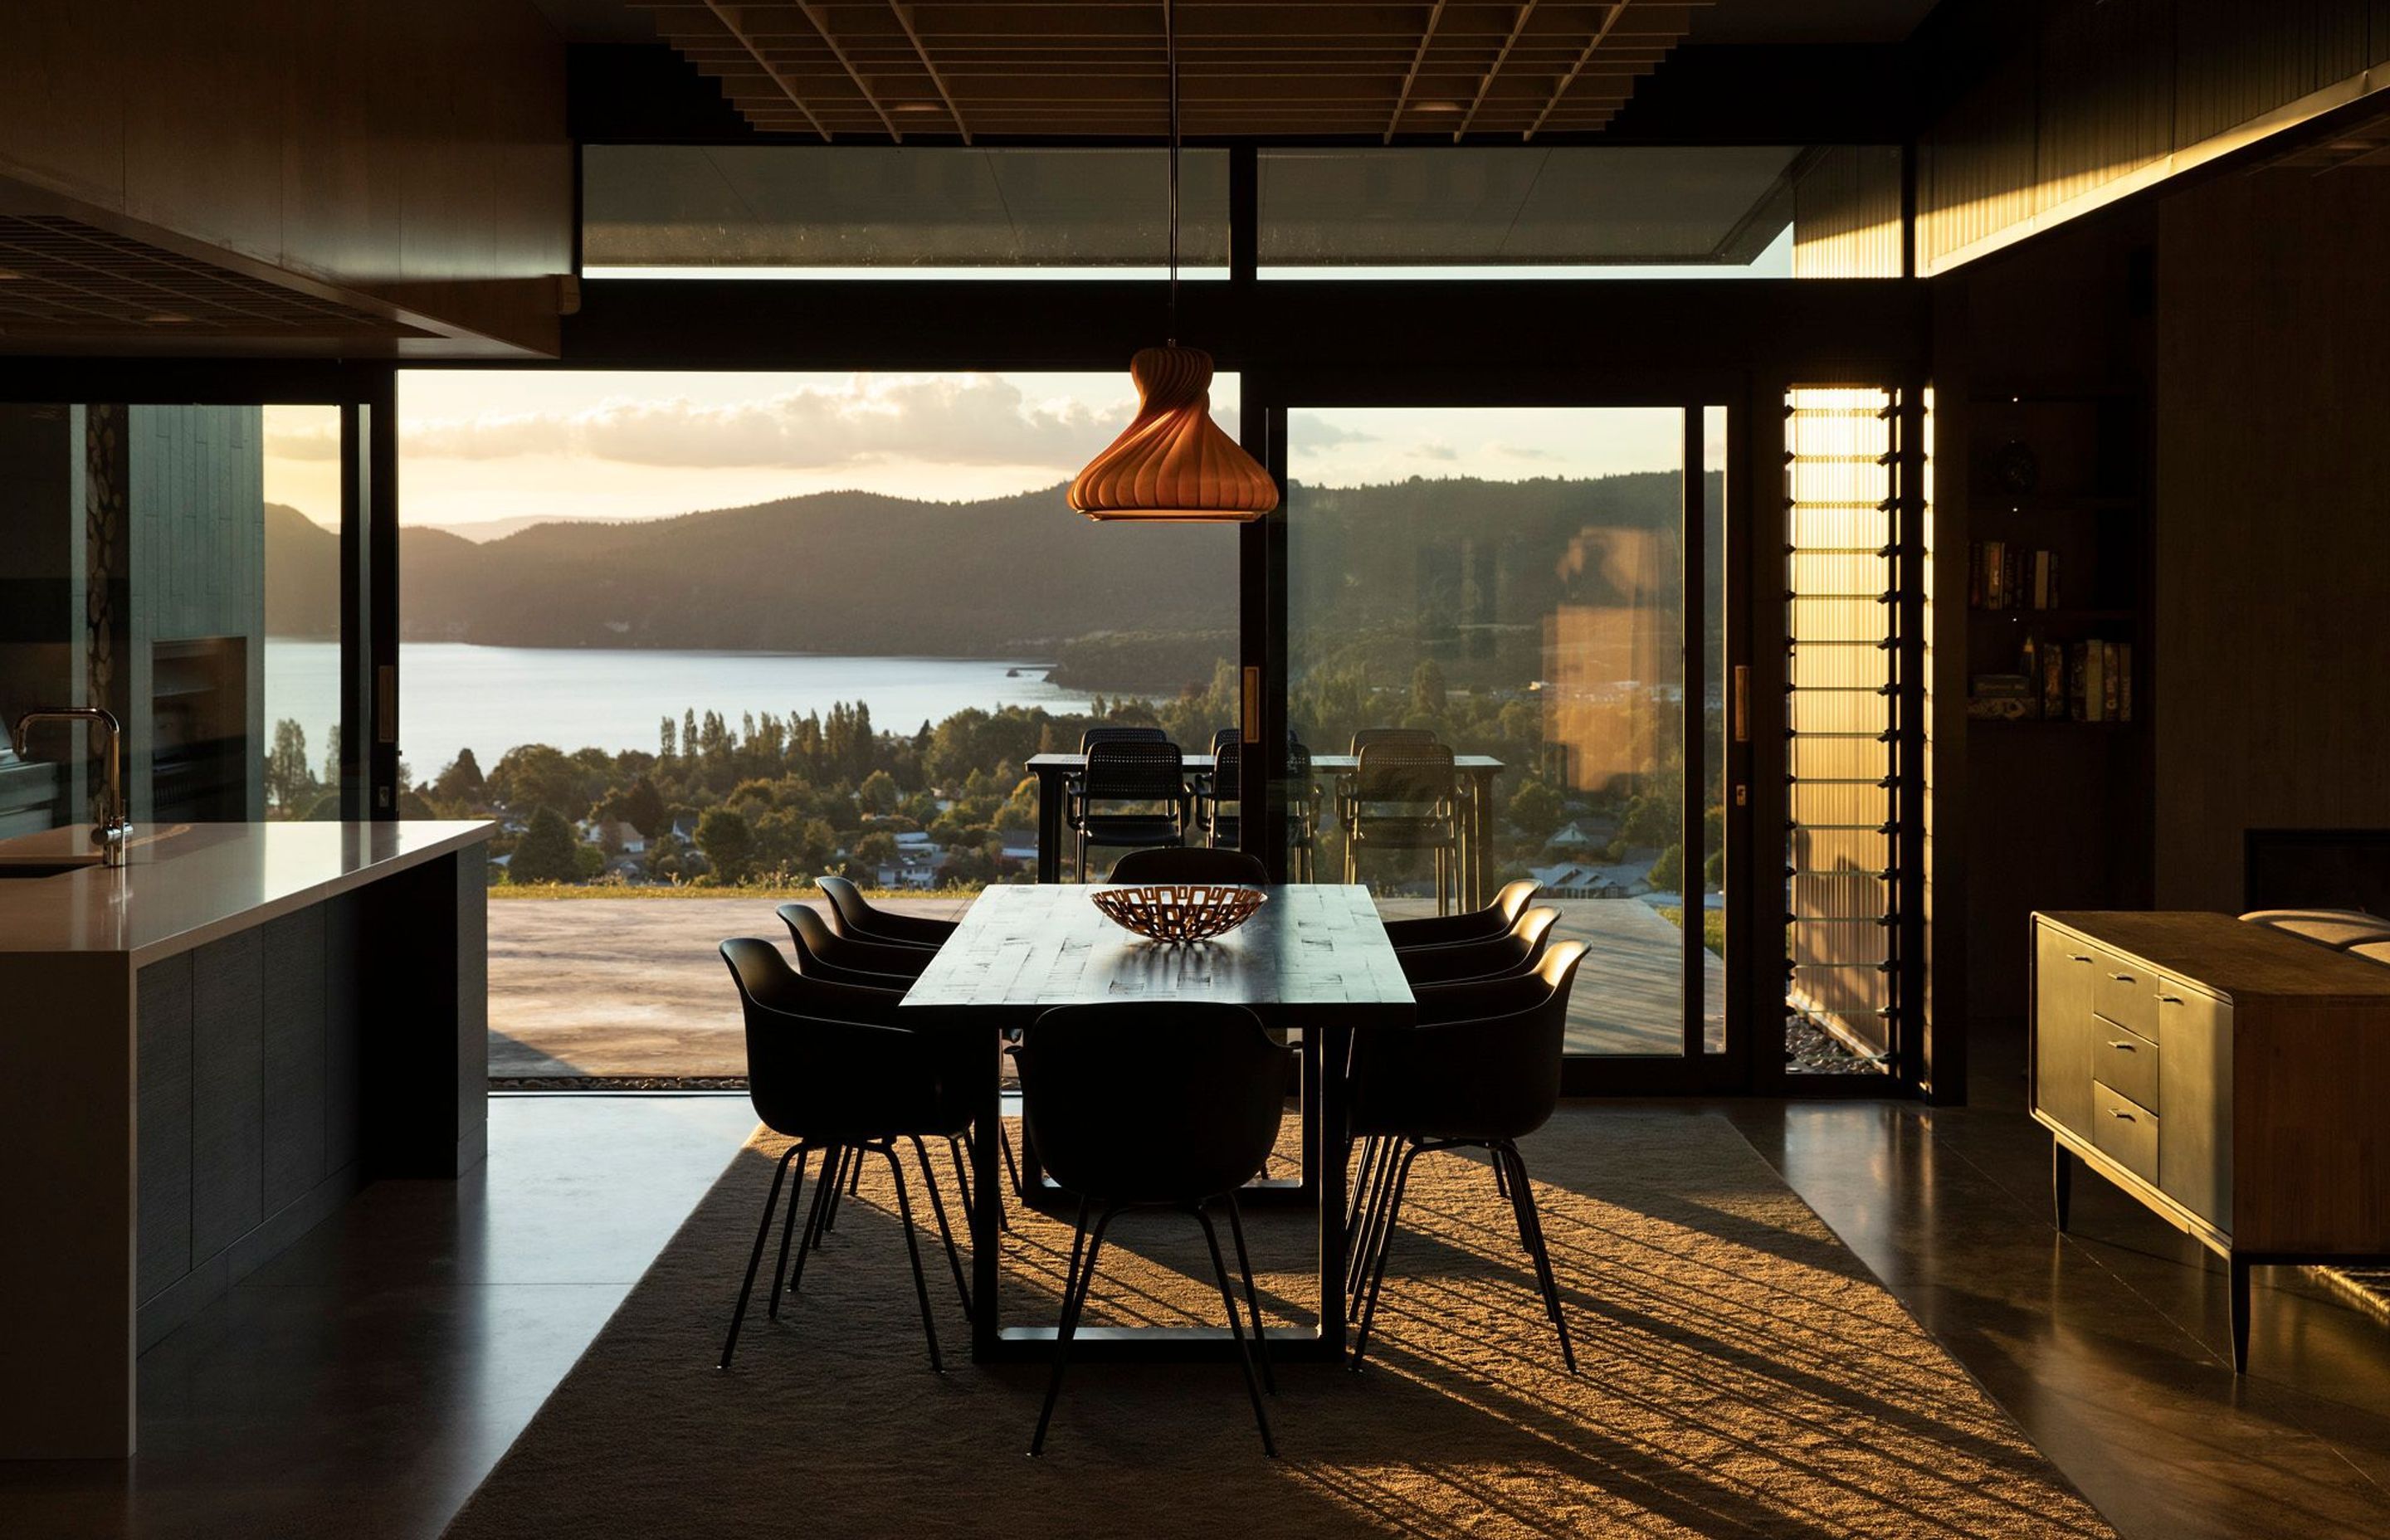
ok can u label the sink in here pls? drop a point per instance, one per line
(43, 868)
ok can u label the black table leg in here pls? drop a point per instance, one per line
(1324, 1139)
(1049, 826)
(1478, 873)
(987, 1218)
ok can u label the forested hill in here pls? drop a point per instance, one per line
(1022, 576)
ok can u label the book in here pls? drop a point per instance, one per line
(2123, 681)
(2053, 681)
(2004, 685)
(2108, 680)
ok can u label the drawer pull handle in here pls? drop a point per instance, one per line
(2076, 956)
(2126, 1116)
(2169, 999)
(2124, 1047)
(2122, 978)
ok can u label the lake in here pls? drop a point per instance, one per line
(490, 698)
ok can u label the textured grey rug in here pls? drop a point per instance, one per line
(1742, 1374)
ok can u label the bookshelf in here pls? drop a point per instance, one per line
(2055, 558)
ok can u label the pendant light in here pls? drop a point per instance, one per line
(1173, 461)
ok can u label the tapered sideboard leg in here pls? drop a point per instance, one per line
(2239, 1270)
(2062, 1183)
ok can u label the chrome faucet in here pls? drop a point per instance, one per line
(114, 829)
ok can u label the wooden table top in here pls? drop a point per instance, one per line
(2232, 957)
(1314, 950)
(1319, 761)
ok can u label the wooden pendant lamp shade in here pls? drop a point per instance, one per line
(1173, 461)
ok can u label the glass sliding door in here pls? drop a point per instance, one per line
(1538, 592)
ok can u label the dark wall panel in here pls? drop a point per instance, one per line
(163, 1073)
(294, 1057)
(226, 1092)
(343, 1033)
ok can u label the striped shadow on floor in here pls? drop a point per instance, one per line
(1742, 1374)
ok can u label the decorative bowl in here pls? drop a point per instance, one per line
(1178, 912)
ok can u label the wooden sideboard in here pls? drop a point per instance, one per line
(2233, 1078)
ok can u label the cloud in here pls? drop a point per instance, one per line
(304, 441)
(1523, 452)
(1435, 450)
(1310, 431)
(957, 419)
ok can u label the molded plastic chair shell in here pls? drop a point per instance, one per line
(1515, 951)
(1476, 925)
(1487, 1076)
(1171, 1102)
(851, 913)
(830, 955)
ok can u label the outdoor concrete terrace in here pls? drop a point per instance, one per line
(633, 986)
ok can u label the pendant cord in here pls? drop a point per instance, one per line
(1170, 48)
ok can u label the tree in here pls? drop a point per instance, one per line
(1668, 872)
(638, 804)
(1428, 694)
(728, 844)
(547, 852)
(332, 757)
(462, 782)
(878, 794)
(290, 785)
(533, 775)
(1536, 811)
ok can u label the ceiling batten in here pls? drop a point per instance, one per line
(1481, 70)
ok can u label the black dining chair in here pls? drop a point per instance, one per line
(1093, 736)
(1482, 1081)
(1158, 1106)
(874, 997)
(1514, 951)
(1303, 797)
(1404, 795)
(1222, 809)
(837, 1086)
(1205, 784)
(1476, 925)
(852, 914)
(881, 964)
(1139, 773)
(1190, 865)
(1364, 737)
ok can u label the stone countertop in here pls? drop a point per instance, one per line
(187, 884)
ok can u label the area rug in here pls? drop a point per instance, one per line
(1741, 1374)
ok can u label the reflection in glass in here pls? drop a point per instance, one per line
(1510, 583)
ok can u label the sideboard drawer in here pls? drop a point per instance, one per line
(2125, 992)
(2123, 1059)
(2126, 1132)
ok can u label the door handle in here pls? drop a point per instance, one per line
(1742, 703)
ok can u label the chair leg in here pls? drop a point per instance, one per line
(1011, 1161)
(913, 1250)
(1252, 1300)
(755, 1257)
(1244, 1354)
(1374, 1222)
(957, 1146)
(1531, 1232)
(1076, 1283)
(1385, 1245)
(1362, 1172)
(828, 1220)
(788, 1226)
(938, 1209)
(1501, 1179)
(825, 1194)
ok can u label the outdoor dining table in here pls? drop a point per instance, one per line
(1314, 960)
(1476, 773)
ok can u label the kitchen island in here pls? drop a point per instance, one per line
(204, 1053)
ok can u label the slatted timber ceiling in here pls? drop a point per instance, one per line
(1456, 68)
(61, 278)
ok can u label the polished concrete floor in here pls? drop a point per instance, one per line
(362, 1384)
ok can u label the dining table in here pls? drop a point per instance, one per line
(1475, 773)
(1313, 962)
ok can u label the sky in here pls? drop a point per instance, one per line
(478, 446)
